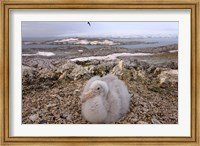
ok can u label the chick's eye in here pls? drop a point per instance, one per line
(98, 88)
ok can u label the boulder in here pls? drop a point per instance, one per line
(118, 69)
(168, 78)
(48, 74)
(91, 69)
(40, 63)
(151, 69)
(80, 72)
(28, 71)
(67, 67)
(34, 117)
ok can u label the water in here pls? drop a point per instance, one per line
(159, 42)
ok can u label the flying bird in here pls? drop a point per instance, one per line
(89, 24)
(105, 99)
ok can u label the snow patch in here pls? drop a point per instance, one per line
(80, 50)
(109, 57)
(40, 53)
(45, 53)
(66, 40)
(76, 41)
(173, 51)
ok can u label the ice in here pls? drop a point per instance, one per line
(173, 51)
(110, 57)
(40, 53)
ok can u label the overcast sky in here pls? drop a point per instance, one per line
(34, 29)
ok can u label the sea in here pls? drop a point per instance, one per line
(158, 41)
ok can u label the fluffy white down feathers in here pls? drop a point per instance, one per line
(104, 100)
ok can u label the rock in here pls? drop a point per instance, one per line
(80, 72)
(51, 105)
(155, 121)
(69, 117)
(68, 65)
(28, 71)
(155, 88)
(34, 117)
(40, 63)
(43, 122)
(157, 71)
(133, 120)
(65, 75)
(142, 122)
(143, 65)
(110, 64)
(65, 115)
(173, 65)
(91, 69)
(57, 96)
(118, 69)
(76, 92)
(47, 74)
(151, 69)
(138, 74)
(168, 78)
(93, 62)
(129, 64)
(101, 69)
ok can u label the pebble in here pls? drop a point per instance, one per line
(65, 115)
(69, 117)
(155, 121)
(51, 105)
(43, 122)
(33, 117)
(142, 122)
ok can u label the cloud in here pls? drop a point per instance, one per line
(100, 29)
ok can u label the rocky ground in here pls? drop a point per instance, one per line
(52, 85)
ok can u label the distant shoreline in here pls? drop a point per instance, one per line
(92, 43)
(81, 51)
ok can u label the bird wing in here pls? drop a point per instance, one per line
(118, 91)
(124, 95)
(113, 106)
(89, 23)
(109, 78)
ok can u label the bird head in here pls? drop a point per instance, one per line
(97, 88)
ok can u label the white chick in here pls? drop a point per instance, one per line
(105, 100)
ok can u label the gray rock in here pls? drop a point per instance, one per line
(65, 76)
(40, 63)
(80, 72)
(67, 67)
(65, 115)
(47, 73)
(157, 71)
(151, 69)
(51, 105)
(142, 122)
(155, 121)
(143, 65)
(34, 117)
(43, 122)
(28, 71)
(91, 69)
(168, 78)
(118, 69)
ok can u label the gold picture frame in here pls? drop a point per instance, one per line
(7, 5)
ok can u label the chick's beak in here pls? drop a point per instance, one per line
(89, 94)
